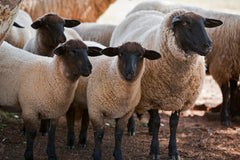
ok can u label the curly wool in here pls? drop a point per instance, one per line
(173, 82)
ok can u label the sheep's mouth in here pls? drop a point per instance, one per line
(85, 74)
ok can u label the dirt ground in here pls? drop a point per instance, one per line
(200, 136)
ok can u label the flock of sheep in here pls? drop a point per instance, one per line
(154, 59)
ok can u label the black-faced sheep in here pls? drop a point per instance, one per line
(223, 63)
(114, 90)
(42, 87)
(49, 34)
(100, 33)
(174, 82)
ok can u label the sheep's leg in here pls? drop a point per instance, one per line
(31, 129)
(172, 147)
(51, 140)
(155, 151)
(131, 126)
(120, 124)
(83, 133)
(225, 119)
(98, 126)
(44, 127)
(151, 120)
(70, 116)
(233, 107)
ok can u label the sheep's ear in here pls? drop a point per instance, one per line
(36, 24)
(151, 55)
(71, 23)
(110, 51)
(94, 51)
(175, 20)
(210, 23)
(59, 50)
(17, 25)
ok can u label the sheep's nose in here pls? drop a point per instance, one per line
(130, 75)
(207, 44)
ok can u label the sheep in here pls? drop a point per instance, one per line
(223, 63)
(49, 34)
(19, 36)
(42, 87)
(100, 33)
(174, 82)
(113, 90)
(85, 11)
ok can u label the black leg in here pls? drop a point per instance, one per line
(233, 108)
(70, 116)
(131, 126)
(225, 119)
(44, 127)
(98, 136)
(151, 112)
(51, 141)
(155, 151)
(118, 141)
(30, 139)
(173, 151)
(83, 133)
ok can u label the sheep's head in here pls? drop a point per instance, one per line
(51, 28)
(74, 54)
(190, 33)
(130, 58)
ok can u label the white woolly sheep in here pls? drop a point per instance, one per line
(19, 36)
(100, 33)
(223, 63)
(42, 87)
(174, 82)
(49, 34)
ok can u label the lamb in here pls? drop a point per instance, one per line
(19, 36)
(174, 82)
(100, 33)
(222, 63)
(49, 34)
(42, 87)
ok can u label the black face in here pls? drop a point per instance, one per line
(130, 58)
(190, 33)
(129, 63)
(76, 60)
(55, 33)
(52, 28)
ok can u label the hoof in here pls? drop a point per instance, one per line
(226, 123)
(70, 147)
(157, 157)
(131, 133)
(82, 145)
(52, 157)
(43, 134)
(118, 154)
(176, 157)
